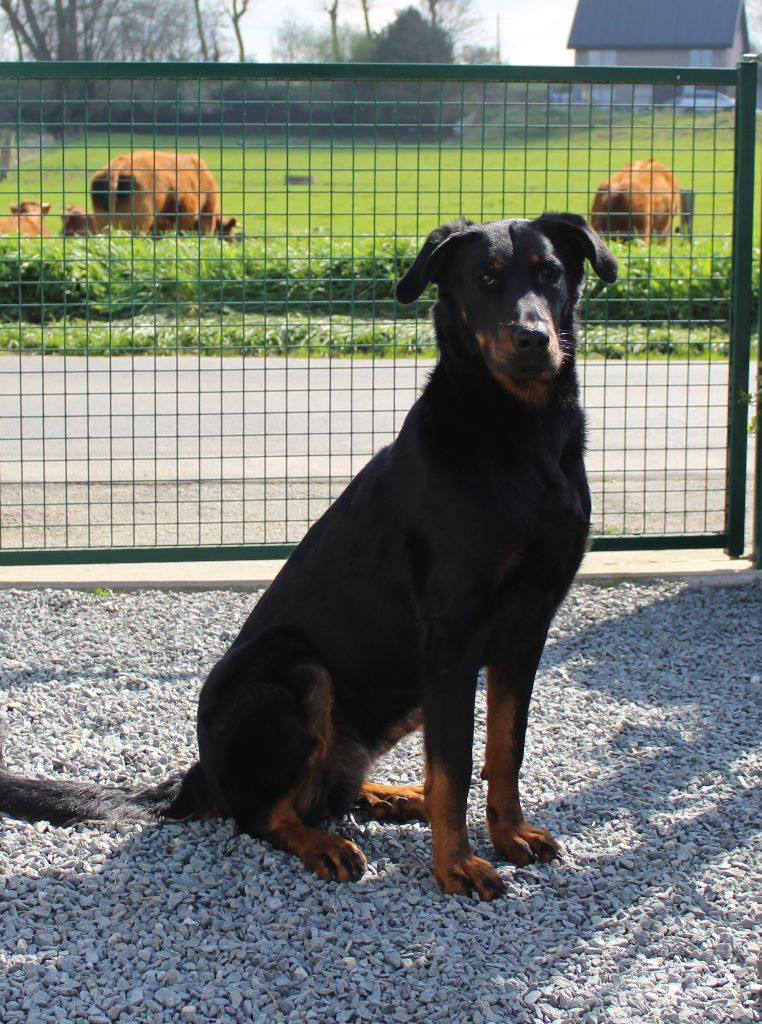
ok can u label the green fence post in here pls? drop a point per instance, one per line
(740, 316)
(757, 523)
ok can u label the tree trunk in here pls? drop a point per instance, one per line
(333, 14)
(238, 10)
(365, 4)
(200, 28)
(67, 30)
(7, 152)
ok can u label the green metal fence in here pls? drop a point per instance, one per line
(205, 392)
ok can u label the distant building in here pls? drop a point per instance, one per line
(665, 33)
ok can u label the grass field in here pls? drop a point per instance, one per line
(303, 336)
(404, 191)
(316, 264)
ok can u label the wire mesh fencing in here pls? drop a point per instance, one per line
(199, 341)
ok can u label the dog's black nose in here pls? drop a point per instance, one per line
(533, 338)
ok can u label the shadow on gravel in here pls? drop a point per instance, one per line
(187, 922)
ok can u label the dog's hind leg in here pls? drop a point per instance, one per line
(385, 802)
(267, 740)
(330, 856)
(392, 803)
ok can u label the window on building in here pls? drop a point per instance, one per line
(605, 57)
(701, 58)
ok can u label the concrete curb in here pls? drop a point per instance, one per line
(605, 568)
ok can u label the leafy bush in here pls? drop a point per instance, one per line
(682, 283)
(339, 292)
(107, 278)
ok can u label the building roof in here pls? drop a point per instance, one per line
(657, 24)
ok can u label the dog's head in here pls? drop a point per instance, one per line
(508, 290)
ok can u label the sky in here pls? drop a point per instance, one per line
(531, 31)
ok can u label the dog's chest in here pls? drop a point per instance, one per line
(539, 539)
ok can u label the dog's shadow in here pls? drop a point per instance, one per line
(392, 936)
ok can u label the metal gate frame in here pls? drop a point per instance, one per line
(743, 79)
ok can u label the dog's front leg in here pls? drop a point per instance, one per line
(509, 690)
(449, 733)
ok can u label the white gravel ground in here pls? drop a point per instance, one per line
(643, 758)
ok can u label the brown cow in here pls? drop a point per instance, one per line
(149, 192)
(77, 221)
(642, 199)
(26, 220)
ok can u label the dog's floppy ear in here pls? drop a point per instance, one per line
(429, 259)
(570, 231)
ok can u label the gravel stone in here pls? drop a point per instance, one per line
(643, 758)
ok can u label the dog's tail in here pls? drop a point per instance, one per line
(181, 797)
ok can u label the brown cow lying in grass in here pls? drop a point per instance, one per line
(77, 221)
(26, 219)
(643, 199)
(149, 192)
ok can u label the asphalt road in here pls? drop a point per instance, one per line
(183, 450)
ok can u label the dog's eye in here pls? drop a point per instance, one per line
(488, 278)
(548, 273)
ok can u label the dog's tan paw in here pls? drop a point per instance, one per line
(524, 844)
(469, 874)
(334, 858)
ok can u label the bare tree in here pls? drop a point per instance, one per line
(366, 6)
(302, 42)
(211, 28)
(25, 25)
(237, 10)
(201, 29)
(298, 42)
(332, 10)
(457, 17)
(98, 30)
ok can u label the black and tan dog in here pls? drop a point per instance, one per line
(450, 551)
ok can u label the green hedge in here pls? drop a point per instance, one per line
(679, 283)
(109, 278)
(119, 277)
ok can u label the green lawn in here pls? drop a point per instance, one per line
(404, 191)
(317, 264)
(301, 336)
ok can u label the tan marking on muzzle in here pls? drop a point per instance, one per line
(534, 391)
